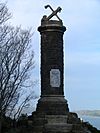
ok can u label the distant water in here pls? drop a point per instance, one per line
(94, 121)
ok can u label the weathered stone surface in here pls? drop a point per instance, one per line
(58, 124)
(51, 123)
(51, 57)
(52, 105)
(58, 127)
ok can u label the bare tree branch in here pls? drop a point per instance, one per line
(16, 63)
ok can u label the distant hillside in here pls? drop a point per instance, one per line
(89, 112)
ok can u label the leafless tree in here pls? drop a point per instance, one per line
(16, 63)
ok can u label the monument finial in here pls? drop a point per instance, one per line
(54, 13)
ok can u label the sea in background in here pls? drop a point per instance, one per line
(94, 121)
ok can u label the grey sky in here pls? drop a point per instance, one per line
(81, 45)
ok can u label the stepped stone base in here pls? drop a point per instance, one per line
(52, 116)
(51, 124)
(57, 124)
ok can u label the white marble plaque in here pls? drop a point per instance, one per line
(55, 78)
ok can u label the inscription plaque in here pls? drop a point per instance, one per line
(55, 78)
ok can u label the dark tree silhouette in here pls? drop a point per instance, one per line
(16, 62)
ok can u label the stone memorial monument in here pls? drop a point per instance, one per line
(52, 93)
(52, 112)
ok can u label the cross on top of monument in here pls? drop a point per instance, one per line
(54, 13)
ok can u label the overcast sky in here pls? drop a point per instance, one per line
(81, 45)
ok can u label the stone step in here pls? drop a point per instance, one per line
(56, 118)
(58, 127)
(77, 128)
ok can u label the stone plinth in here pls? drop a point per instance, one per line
(54, 105)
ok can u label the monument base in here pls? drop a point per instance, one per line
(52, 116)
(57, 124)
(51, 124)
(52, 105)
